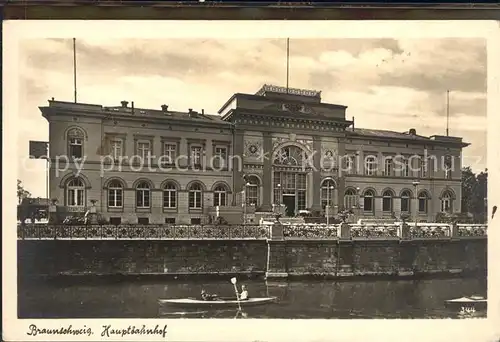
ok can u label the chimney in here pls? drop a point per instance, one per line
(190, 110)
(203, 112)
(353, 123)
(124, 104)
(413, 131)
(164, 108)
(132, 107)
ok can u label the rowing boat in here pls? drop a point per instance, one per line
(476, 302)
(218, 302)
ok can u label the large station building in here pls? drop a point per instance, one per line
(278, 149)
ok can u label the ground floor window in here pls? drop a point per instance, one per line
(170, 220)
(369, 201)
(405, 201)
(196, 220)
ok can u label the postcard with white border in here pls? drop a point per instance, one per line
(243, 181)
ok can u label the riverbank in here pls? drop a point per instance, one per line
(98, 279)
(280, 260)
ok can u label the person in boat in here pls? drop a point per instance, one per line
(207, 296)
(244, 293)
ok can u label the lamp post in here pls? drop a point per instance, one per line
(245, 202)
(358, 206)
(329, 190)
(415, 185)
(279, 199)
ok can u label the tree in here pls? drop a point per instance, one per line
(21, 192)
(474, 192)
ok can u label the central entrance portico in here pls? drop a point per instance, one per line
(290, 172)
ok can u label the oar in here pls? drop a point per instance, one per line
(233, 280)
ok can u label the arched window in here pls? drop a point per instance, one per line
(115, 194)
(220, 196)
(75, 193)
(195, 196)
(350, 199)
(290, 155)
(143, 195)
(447, 202)
(369, 201)
(252, 191)
(387, 201)
(405, 201)
(75, 143)
(327, 188)
(170, 196)
(423, 202)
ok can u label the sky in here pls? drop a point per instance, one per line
(392, 84)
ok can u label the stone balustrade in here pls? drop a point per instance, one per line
(274, 231)
(141, 232)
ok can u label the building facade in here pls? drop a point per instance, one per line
(277, 150)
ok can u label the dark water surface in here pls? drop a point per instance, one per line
(298, 299)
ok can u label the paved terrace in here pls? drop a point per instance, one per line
(321, 232)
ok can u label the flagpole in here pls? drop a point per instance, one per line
(447, 112)
(287, 62)
(74, 67)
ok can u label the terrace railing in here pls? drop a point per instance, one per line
(423, 231)
(141, 232)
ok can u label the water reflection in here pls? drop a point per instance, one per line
(320, 299)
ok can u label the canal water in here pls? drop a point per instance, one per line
(298, 299)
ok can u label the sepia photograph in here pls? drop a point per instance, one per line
(279, 177)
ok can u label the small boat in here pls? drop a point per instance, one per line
(217, 302)
(475, 302)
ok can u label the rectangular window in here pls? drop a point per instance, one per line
(115, 220)
(169, 220)
(76, 148)
(169, 153)
(196, 153)
(117, 149)
(388, 167)
(144, 151)
(370, 166)
(423, 167)
(220, 157)
(143, 220)
(196, 220)
(350, 165)
(406, 167)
